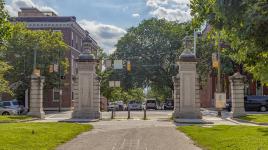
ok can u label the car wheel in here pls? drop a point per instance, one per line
(263, 108)
(5, 113)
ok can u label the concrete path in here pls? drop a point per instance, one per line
(131, 135)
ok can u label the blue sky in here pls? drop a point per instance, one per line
(108, 20)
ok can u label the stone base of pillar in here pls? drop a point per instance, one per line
(86, 115)
(187, 115)
(237, 112)
(38, 114)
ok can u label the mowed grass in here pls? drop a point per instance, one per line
(13, 118)
(228, 137)
(258, 118)
(38, 136)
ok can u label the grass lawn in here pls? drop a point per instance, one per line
(13, 118)
(258, 118)
(228, 137)
(38, 136)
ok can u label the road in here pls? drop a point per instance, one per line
(151, 114)
(131, 135)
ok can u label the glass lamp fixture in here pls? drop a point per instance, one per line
(188, 43)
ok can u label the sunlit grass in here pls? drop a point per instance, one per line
(228, 137)
(38, 136)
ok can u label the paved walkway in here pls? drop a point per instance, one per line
(157, 133)
(131, 135)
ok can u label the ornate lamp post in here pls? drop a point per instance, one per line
(188, 43)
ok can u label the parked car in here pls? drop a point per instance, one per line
(135, 105)
(112, 106)
(7, 111)
(151, 104)
(169, 104)
(252, 103)
(121, 105)
(12, 104)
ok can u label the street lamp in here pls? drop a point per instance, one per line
(188, 43)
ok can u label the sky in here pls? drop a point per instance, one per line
(108, 20)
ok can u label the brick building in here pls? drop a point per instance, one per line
(73, 35)
(207, 97)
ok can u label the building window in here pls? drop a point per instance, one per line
(56, 30)
(72, 44)
(73, 65)
(72, 95)
(56, 94)
(76, 42)
(259, 88)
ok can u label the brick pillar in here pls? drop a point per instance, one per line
(36, 97)
(237, 94)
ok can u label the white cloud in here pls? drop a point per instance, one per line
(106, 35)
(15, 6)
(136, 15)
(172, 10)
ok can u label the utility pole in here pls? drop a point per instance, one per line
(34, 65)
(60, 92)
(219, 67)
(219, 89)
(195, 36)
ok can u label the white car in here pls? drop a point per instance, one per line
(112, 106)
(12, 104)
(7, 111)
(135, 105)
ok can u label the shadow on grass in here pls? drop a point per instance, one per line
(248, 118)
(264, 131)
(17, 117)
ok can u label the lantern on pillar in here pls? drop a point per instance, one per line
(88, 45)
(188, 43)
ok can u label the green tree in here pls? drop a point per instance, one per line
(19, 54)
(152, 48)
(136, 94)
(243, 25)
(4, 34)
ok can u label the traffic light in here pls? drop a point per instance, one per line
(51, 68)
(62, 77)
(128, 66)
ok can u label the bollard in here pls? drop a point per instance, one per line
(219, 113)
(128, 113)
(144, 116)
(112, 117)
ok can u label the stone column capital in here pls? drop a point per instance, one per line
(35, 77)
(237, 77)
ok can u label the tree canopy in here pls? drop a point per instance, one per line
(151, 48)
(19, 54)
(4, 34)
(243, 26)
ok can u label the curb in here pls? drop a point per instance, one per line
(79, 120)
(190, 121)
(19, 121)
(246, 121)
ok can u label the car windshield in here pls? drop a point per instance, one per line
(6, 103)
(15, 103)
(151, 101)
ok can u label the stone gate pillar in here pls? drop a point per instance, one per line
(186, 88)
(36, 97)
(86, 89)
(237, 94)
